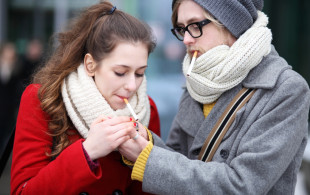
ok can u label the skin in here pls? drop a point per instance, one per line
(120, 74)
(117, 76)
(111, 132)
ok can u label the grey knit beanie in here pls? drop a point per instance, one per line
(236, 15)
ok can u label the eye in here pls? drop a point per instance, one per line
(139, 75)
(180, 30)
(119, 74)
(194, 27)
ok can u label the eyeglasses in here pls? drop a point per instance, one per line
(194, 29)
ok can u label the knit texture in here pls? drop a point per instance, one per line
(207, 108)
(223, 67)
(237, 16)
(84, 102)
(139, 167)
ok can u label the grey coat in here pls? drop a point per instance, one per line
(261, 152)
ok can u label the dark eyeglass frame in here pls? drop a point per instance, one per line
(179, 29)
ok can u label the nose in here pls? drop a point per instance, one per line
(188, 39)
(131, 84)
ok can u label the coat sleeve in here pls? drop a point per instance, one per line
(32, 171)
(274, 140)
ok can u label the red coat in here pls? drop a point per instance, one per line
(34, 173)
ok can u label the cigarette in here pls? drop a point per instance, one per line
(192, 64)
(131, 110)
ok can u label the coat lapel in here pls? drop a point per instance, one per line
(190, 115)
(212, 118)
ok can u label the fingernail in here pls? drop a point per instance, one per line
(135, 124)
(131, 119)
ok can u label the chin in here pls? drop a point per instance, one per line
(118, 106)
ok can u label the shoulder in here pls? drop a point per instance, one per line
(154, 123)
(152, 103)
(30, 97)
(271, 73)
(291, 82)
(153, 107)
(31, 90)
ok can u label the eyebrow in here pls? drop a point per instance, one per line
(192, 20)
(126, 66)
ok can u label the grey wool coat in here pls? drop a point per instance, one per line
(261, 152)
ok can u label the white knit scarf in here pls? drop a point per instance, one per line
(223, 67)
(84, 102)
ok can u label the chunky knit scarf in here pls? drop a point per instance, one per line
(84, 102)
(223, 67)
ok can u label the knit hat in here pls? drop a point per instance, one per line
(236, 15)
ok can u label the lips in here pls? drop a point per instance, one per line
(191, 51)
(123, 97)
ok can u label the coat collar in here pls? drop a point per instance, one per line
(207, 125)
(189, 116)
(266, 74)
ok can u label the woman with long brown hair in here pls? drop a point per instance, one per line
(72, 119)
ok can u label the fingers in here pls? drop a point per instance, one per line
(118, 120)
(100, 119)
(136, 136)
(110, 130)
(116, 127)
(129, 130)
(121, 140)
(117, 123)
(121, 136)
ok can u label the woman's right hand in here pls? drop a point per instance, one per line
(106, 134)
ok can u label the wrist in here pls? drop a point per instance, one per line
(87, 147)
(93, 164)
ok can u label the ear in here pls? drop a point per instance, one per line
(89, 64)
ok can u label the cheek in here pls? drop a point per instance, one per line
(104, 84)
(139, 82)
(213, 38)
(212, 42)
(101, 86)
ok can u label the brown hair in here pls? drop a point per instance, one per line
(97, 32)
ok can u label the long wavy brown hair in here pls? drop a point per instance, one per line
(95, 31)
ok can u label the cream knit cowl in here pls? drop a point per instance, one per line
(223, 67)
(84, 102)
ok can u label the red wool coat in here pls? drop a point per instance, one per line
(34, 173)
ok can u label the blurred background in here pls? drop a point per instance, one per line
(26, 27)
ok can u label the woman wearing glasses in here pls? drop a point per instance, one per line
(257, 148)
(73, 119)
